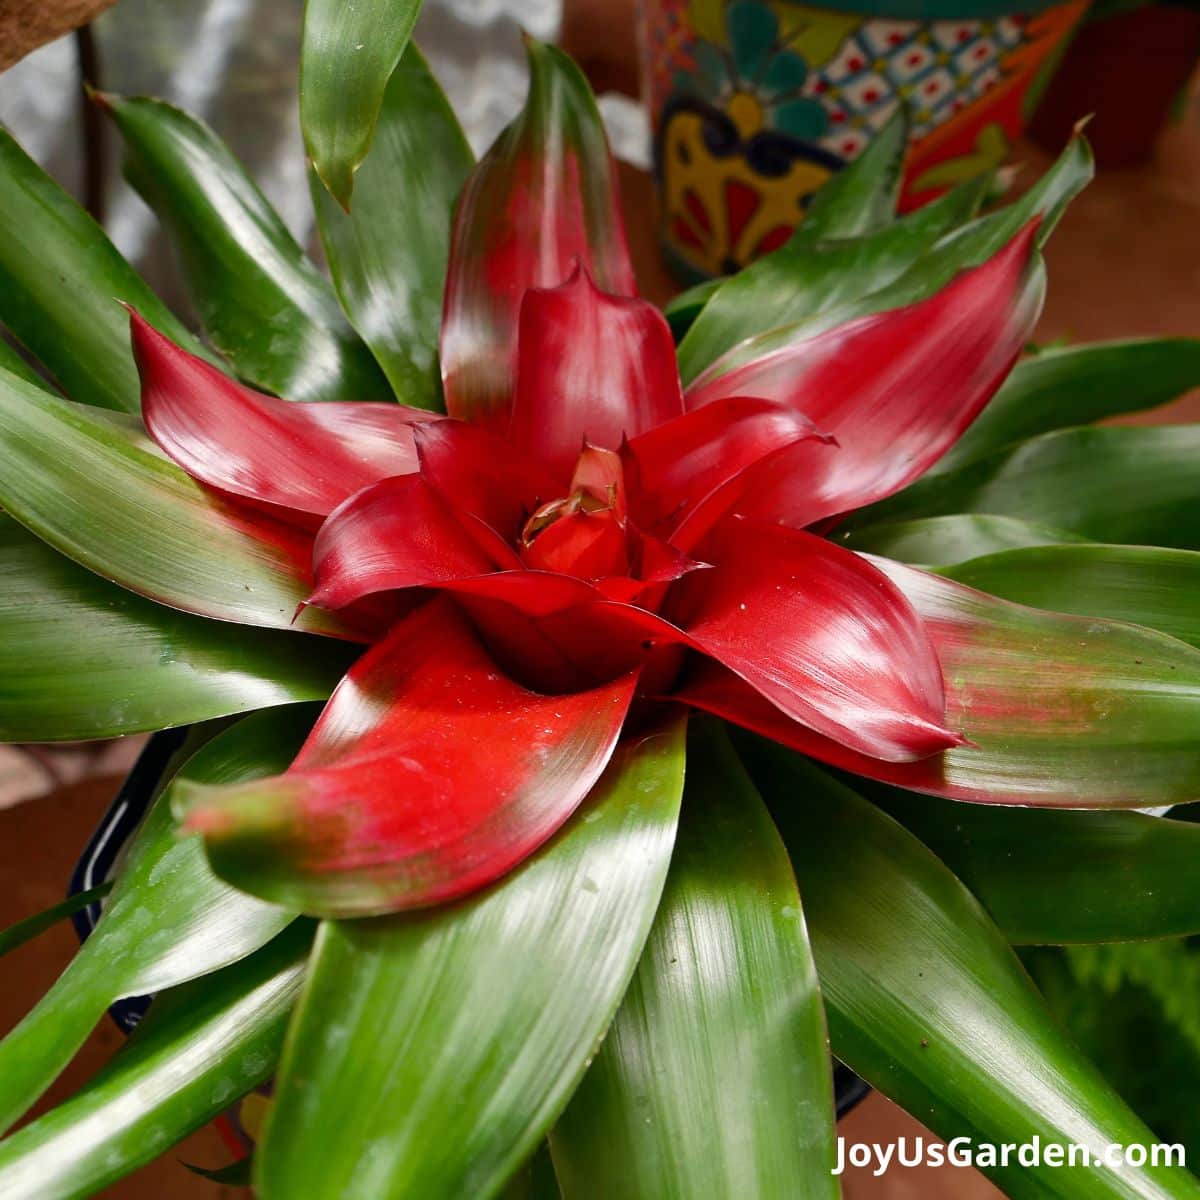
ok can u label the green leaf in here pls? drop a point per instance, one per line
(82, 658)
(26, 930)
(441, 1045)
(1076, 385)
(1129, 1007)
(714, 1080)
(1136, 486)
(96, 488)
(908, 282)
(682, 310)
(263, 304)
(169, 918)
(1169, 969)
(938, 541)
(12, 362)
(1056, 711)
(927, 1002)
(1054, 877)
(804, 279)
(199, 1048)
(861, 198)
(972, 244)
(1060, 710)
(1144, 584)
(807, 276)
(976, 242)
(388, 257)
(348, 56)
(60, 280)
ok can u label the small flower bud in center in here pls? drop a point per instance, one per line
(584, 533)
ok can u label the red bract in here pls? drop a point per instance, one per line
(590, 366)
(457, 777)
(542, 198)
(582, 544)
(297, 460)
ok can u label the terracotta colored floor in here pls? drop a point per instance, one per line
(1125, 261)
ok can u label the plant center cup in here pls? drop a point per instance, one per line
(756, 104)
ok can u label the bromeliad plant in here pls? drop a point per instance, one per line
(532, 930)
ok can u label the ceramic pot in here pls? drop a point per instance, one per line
(756, 103)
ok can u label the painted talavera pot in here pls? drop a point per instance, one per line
(756, 103)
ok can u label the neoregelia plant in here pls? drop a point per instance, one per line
(532, 926)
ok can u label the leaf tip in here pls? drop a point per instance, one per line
(102, 100)
(192, 806)
(337, 178)
(257, 811)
